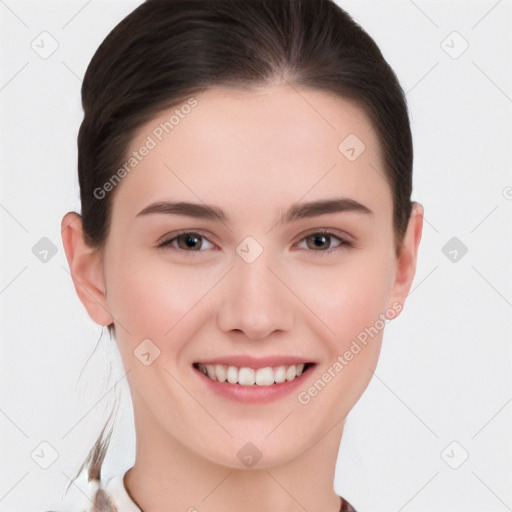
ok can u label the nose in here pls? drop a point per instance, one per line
(257, 302)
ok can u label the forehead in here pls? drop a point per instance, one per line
(261, 146)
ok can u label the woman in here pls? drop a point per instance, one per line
(246, 231)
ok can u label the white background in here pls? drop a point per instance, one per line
(445, 369)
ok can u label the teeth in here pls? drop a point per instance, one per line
(265, 377)
(249, 376)
(210, 371)
(246, 377)
(220, 372)
(232, 373)
(280, 374)
(291, 372)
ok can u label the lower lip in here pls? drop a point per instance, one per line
(254, 394)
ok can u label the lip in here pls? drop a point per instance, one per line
(253, 394)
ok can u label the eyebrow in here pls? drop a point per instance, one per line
(295, 212)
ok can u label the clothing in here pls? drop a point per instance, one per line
(115, 498)
(347, 507)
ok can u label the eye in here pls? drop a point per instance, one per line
(319, 241)
(322, 242)
(189, 241)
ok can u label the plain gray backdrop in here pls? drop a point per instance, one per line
(433, 430)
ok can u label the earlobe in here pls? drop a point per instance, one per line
(408, 256)
(86, 269)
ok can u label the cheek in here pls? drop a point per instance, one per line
(349, 299)
(358, 312)
(153, 298)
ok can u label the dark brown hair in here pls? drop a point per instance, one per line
(167, 50)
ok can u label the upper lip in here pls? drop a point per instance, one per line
(245, 361)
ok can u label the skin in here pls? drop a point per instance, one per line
(253, 154)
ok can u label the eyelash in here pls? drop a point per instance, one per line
(343, 243)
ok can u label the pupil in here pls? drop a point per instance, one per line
(191, 241)
(321, 240)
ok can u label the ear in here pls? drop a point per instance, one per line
(86, 268)
(407, 257)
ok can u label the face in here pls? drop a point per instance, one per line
(278, 274)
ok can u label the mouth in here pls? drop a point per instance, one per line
(247, 376)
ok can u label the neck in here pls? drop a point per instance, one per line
(168, 476)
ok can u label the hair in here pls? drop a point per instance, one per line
(167, 50)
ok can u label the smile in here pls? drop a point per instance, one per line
(246, 376)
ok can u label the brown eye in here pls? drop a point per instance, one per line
(189, 242)
(318, 241)
(323, 242)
